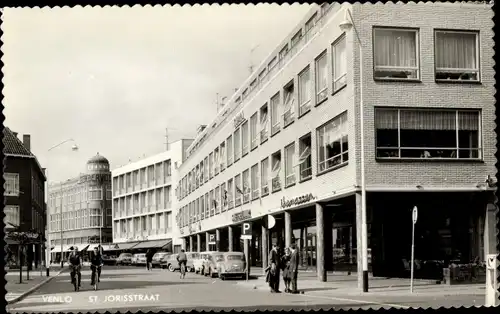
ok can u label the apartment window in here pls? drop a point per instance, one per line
(339, 63)
(262, 74)
(216, 161)
(12, 215)
(95, 193)
(288, 104)
(272, 63)
(283, 52)
(457, 55)
(321, 78)
(202, 204)
(201, 173)
(197, 181)
(264, 176)
(229, 145)
(254, 172)
(151, 176)
(206, 169)
(239, 192)
(244, 94)
(275, 114)
(290, 165)
(252, 84)
(229, 194)
(275, 172)
(304, 91)
(211, 165)
(237, 148)
(305, 161)
(11, 184)
(159, 173)
(216, 200)
(332, 143)
(207, 206)
(264, 122)
(244, 138)
(253, 131)
(296, 38)
(246, 186)
(421, 133)
(212, 203)
(223, 197)
(395, 53)
(222, 156)
(310, 23)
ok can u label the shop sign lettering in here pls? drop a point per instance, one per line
(238, 120)
(297, 200)
(244, 215)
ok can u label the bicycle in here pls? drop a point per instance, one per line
(95, 276)
(76, 281)
(183, 270)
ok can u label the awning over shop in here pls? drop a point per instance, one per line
(153, 244)
(125, 246)
(57, 248)
(111, 247)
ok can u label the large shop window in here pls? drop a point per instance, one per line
(305, 160)
(290, 165)
(456, 55)
(407, 133)
(395, 53)
(276, 171)
(333, 143)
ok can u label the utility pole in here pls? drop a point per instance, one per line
(166, 139)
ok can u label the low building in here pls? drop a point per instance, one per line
(84, 204)
(301, 142)
(24, 204)
(143, 201)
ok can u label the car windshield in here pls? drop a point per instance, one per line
(235, 257)
(219, 258)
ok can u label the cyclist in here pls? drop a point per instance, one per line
(75, 265)
(182, 259)
(96, 263)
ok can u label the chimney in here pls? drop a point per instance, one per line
(27, 141)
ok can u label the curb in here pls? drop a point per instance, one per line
(33, 289)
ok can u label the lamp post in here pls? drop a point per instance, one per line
(346, 25)
(74, 147)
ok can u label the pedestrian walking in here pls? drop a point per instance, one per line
(294, 267)
(149, 259)
(274, 262)
(287, 276)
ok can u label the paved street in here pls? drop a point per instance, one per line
(161, 289)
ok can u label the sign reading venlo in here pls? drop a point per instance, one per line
(244, 215)
(297, 200)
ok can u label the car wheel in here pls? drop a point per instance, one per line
(171, 268)
(222, 277)
(188, 269)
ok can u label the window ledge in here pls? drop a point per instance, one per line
(243, 155)
(246, 202)
(332, 169)
(273, 134)
(467, 160)
(438, 81)
(290, 185)
(264, 195)
(305, 179)
(263, 141)
(339, 89)
(396, 80)
(288, 124)
(254, 148)
(255, 198)
(304, 113)
(320, 102)
(276, 191)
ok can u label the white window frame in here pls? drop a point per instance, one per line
(217, 200)
(264, 176)
(275, 106)
(254, 135)
(245, 185)
(321, 88)
(223, 203)
(230, 193)
(415, 68)
(288, 104)
(290, 162)
(222, 156)
(229, 150)
(476, 70)
(216, 161)
(276, 172)
(211, 165)
(304, 104)
(304, 155)
(245, 138)
(264, 123)
(343, 132)
(237, 144)
(11, 184)
(238, 197)
(14, 212)
(255, 181)
(206, 168)
(339, 80)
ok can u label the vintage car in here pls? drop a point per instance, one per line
(109, 260)
(139, 259)
(210, 263)
(124, 259)
(192, 257)
(198, 262)
(157, 258)
(169, 261)
(233, 264)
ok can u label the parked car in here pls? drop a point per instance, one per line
(233, 264)
(170, 262)
(124, 259)
(191, 256)
(139, 259)
(198, 262)
(157, 258)
(210, 264)
(201, 261)
(109, 260)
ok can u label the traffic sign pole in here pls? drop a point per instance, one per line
(414, 217)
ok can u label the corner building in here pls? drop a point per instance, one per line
(143, 202)
(285, 152)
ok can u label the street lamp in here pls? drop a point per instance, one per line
(346, 25)
(74, 148)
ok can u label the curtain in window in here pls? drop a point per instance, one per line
(468, 120)
(335, 129)
(427, 120)
(304, 87)
(395, 48)
(456, 50)
(386, 119)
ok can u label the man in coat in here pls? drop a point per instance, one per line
(274, 263)
(294, 267)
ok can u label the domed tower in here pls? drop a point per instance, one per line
(97, 164)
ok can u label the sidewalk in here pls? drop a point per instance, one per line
(341, 285)
(17, 291)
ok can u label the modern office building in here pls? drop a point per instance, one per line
(24, 204)
(390, 101)
(143, 202)
(84, 204)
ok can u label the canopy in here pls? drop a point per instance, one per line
(153, 244)
(126, 245)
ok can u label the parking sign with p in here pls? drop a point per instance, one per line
(246, 230)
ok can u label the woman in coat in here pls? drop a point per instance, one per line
(287, 275)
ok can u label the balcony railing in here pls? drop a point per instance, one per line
(276, 183)
(263, 135)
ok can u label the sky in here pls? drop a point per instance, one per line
(113, 79)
